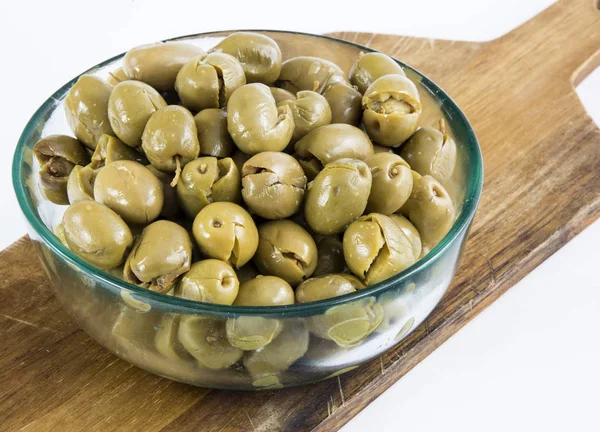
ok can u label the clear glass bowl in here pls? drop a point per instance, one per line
(185, 340)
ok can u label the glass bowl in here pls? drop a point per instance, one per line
(187, 341)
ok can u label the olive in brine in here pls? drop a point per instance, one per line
(58, 155)
(309, 73)
(158, 64)
(392, 183)
(207, 81)
(160, 254)
(281, 95)
(116, 76)
(209, 281)
(392, 107)
(131, 190)
(111, 149)
(96, 233)
(337, 196)
(170, 140)
(371, 66)
(255, 122)
(80, 185)
(86, 109)
(258, 54)
(130, 106)
(213, 136)
(345, 102)
(310, 110)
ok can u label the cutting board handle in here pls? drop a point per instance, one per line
(568, 36)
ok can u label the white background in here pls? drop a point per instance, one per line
(531, 361)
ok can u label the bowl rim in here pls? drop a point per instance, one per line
(470, 202)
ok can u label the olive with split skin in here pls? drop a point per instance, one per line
(309, 73)
(209, 281)
(58, 155)
(254, 121)
(258, 54)
(337, 196)
(208, 179)
(392, 183)
(310, 110)
(281, 95)
(110, 149)
(392, 107)
(97, 234)
(345, 102)
(130, 106)
(161, 253)
(80, 185)
(411, 232)
(376, 248)
(431, 152)
(347, 324)
(330, 143)
(170, 140)
(254, 332)
(213, 137)
(285, 250)
(226, 231)
(205, 339)
(371, 66)
(207, 81)
(170, 209)
(131, 190)
(273, 185)
(430, 209)
(86, 109)
(158, 64)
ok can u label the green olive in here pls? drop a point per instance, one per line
(431, 211)
(208, 179)
(309, 73)
(356, 282)
(337, 196)
(166, 340)
(331, 256)
(209, 281)
(116, 76)
(255, 122)
(131, 190)
(310, 110)
(97, 234)
(285, 250)
(160, 254)
(226, 231)
(265, 291)
(80, 185)
(158, 64)
(58, 155)
(130, 106)
(266, 363)
(347, 324)
(392, 107)
(273, 185)
(411, 232)
(207, 81)
(170, 139)
(330, 143)
(345, 102)
(245, 273)
(86, 108)
(281, 95)
(371, 66)
(252, 332)
(392, 183)
(239, 159)
(431, 152)
(205, 339)
(259, 55)
(376, 248)
(170, 209)
(110, 149)
(213, 137)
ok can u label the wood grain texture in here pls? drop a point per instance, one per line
(542, 186)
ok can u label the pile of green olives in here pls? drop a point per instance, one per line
(238, 177)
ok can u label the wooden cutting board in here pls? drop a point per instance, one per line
(542, 163)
